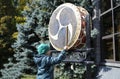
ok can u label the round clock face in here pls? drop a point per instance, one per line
(65, 26)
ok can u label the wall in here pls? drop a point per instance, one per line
(109, 72)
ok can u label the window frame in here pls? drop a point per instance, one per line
(109, 36)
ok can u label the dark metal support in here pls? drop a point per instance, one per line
(96, 24)
(97, 42)
(88, 45)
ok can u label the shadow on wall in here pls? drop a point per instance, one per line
(107, 72)
(102, 70)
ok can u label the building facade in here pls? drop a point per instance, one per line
(108, 55)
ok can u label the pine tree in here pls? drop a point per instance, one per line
(7, 28)
(8, 19)
(29, 35)
(9, 16)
